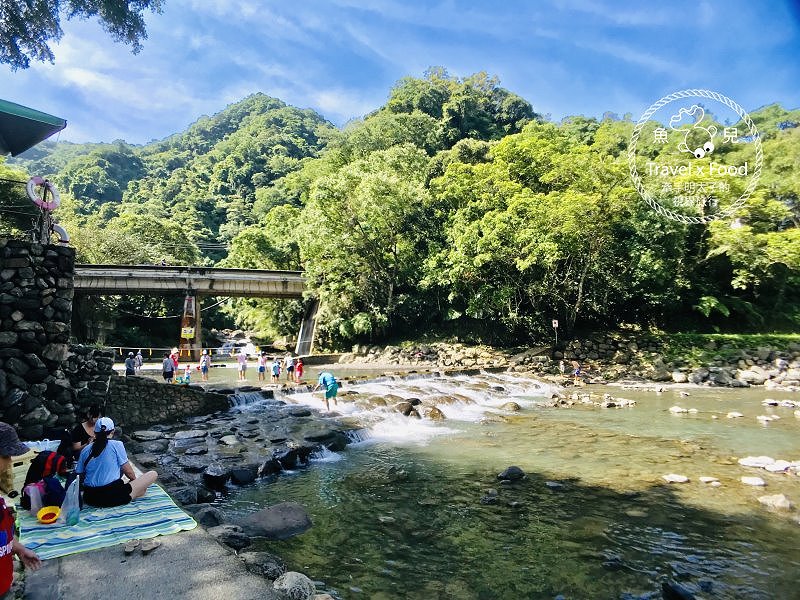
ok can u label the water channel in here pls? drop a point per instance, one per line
(399, 513)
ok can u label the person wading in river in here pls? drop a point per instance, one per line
(331, 387)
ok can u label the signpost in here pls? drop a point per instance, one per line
(555, 328)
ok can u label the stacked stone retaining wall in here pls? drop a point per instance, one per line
(139, 401)
(36, 290)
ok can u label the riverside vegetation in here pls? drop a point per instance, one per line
(454, 207)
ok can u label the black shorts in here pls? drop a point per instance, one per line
(115, 493)
(167, 375)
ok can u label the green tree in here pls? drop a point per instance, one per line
(27, 26)
(272, 244)
(361, 239)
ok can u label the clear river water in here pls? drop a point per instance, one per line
(398, 514)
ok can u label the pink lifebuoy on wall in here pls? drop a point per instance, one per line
(37, 200)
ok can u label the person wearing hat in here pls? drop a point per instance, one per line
(130, 365)
(101, 466)
(11, 446)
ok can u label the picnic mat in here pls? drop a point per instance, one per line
(153, 514)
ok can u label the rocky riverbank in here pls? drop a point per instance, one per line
(611, 357)
(200, 458)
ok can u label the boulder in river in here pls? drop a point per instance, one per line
(675, 478)
(512, 473)
(779, 466)
(777, 502)
(190, 434)
(216, 476)
(263, 564)
(756, 461)
(209, 516)
(679, 377)
(734, 415)
(230, 535)
(511, 406)
(147, 436)
(277, 522)
(294, 586)
(756, 481)
(244, 475)
(677, 410)
(404, 408)
(433, 413)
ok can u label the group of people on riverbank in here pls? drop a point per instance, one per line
(291, 366)
(90, 459)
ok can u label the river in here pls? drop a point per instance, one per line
(399, 513)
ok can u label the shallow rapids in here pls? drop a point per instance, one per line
(399, 513)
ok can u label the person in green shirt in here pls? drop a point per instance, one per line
(331, 387)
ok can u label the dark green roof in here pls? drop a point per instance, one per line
(22, 127)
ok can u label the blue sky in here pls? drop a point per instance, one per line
(341, 57)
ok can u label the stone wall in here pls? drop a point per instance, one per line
(611, 356)
(36, 290)
(139, 401)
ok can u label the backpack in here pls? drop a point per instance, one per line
(54, 492)
(44, 467)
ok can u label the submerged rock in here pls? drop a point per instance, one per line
(511, 406)
(512, 473)
(734, 415)
(209, 516)
(708, 480)
(244, 475)
(777, 502)
(671, 590)
(277, 522)
(677, 410)
(263, 564)
(675, 478)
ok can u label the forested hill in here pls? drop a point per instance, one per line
(205, 180)
(453, 207)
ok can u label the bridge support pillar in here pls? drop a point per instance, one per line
(191, 326)
(196, 347)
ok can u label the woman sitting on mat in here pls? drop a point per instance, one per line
(102, 464)
(83, 433)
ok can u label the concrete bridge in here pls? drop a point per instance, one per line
(193, 283)
(111, 280)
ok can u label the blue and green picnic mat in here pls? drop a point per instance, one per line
(153, 514)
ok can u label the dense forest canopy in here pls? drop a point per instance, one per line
(453, 207)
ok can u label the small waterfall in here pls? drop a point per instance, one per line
(357, 435)
(324, 455)
(246, 398)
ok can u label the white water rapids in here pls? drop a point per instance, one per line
(461, 398)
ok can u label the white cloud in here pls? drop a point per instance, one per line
(344, 104)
